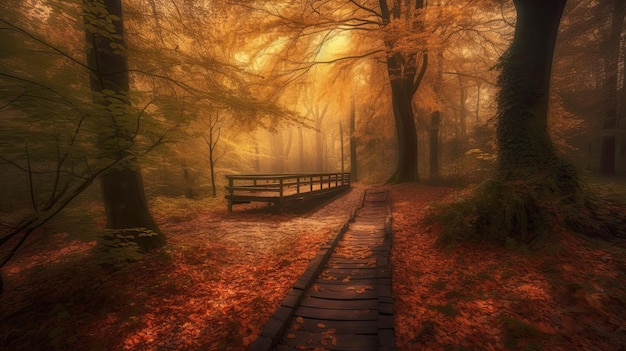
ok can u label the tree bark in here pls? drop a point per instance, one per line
(435, 120)
(122, 188)
(611, 63)
(406, 72)
(354, 174)
(406, 133)
(301, 167)
(525, 147)
(318, 116)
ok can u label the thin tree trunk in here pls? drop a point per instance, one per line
(462, 112)
(341, 146)
(354, 174)
(300, 150)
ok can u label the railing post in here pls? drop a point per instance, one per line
(280, 201)
(230, 198)
(336, 179)
(311, 183)
(298, 185)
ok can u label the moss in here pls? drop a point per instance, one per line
(522, 213)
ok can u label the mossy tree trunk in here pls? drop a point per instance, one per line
(525, 147)
(122, 187)
(533, 188)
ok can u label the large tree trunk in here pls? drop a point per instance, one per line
(406, 72)
(122, 188)
(406, 133)
(522, 132)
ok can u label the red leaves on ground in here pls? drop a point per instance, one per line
(218, 281)
(223, 275)
(569, 296)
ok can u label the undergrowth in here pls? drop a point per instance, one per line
(518, 213)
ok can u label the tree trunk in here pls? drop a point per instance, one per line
(611, 63)
(462, 112)
(212, 165)
(301, 167)
(122, 188)
(522, 133)
(406, 133)
(435, 121)
(318, 116)
(405, 74)
(533, 189)
(189, 193)
(341, 147)
(354, 174)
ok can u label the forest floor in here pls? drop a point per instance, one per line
(222, 275)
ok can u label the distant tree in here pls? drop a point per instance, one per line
(354, 174)
(211, 137)
(615, 11)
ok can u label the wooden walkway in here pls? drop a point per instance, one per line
(343, 301)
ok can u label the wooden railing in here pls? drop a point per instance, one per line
(280, 189)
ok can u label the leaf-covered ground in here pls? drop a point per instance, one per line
(222, 275)
(213, 288)
(569, 295)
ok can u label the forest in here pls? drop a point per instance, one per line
(496, 127)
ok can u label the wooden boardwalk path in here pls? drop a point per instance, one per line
(343, 301)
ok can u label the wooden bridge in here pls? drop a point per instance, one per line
(281, 189)
(343, 299)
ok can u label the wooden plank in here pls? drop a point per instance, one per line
(345, 327)
(337, 315)
(349, 265)
(262, 343)
(334, 259)
(353, 274)
(349, 342)
(347, 281)
(314, 302)
(344, 295)
(349, 306)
